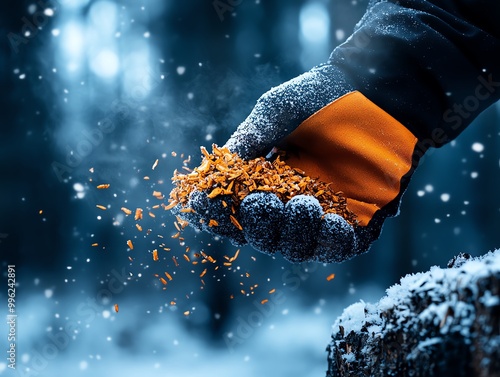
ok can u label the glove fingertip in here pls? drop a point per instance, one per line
(300, 232)
(336, 241)
(261, 215)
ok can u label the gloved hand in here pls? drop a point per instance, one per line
(367, 145)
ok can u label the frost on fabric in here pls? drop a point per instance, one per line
(280, 110)
(445, 321)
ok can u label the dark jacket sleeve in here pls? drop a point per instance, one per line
(433, 65)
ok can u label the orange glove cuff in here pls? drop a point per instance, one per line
(357, 147)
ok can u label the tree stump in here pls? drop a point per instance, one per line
(443, 322)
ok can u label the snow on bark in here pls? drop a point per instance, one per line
(443, 322)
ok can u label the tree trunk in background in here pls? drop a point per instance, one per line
(444, 322)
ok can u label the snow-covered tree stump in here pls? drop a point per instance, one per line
(443, 322)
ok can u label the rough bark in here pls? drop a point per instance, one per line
(443, 322)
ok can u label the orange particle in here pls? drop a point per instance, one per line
(138, 214)
(40, 212)
(174, 154)
(126, 211)
(186, 313)
(235, 222)
(139, 228)
(101, 207)
(235, 256)
(155, 255)
(212, 223)
(272, 291)
(172, 303)
(155, 165)
(243, 292)
(330, 277)
(146, 178)
(264, 301)
(152, 214)
(163, 281)
(130, 244)
(103, 186)
(116, 308)
(130, 259)
(175, 261)
(186, 257)
(158, 195)
(203, 273)
(170, 206)
(95, 244)
(169, 277)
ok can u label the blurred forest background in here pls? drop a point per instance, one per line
(94, 92)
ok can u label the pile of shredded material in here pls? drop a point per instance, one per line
(225, 173)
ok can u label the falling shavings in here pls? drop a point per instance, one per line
(155, 165)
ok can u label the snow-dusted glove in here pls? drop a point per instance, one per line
(363, 121)
(347, 141)
(207, 211)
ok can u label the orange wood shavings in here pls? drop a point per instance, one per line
(224, 173)
(138, 214)
(155, 255)
(103, 186)
(126, 211)
(101, 207)
(330, 277)
(155, 165)
(158, 195)
(130, 244)
(116, 308)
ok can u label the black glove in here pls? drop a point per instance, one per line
(367, 145)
